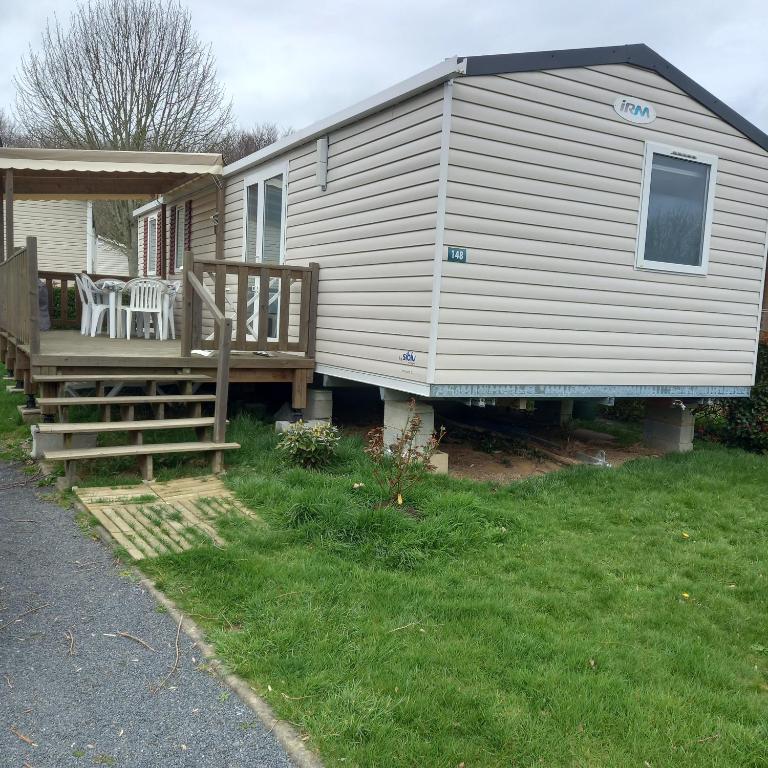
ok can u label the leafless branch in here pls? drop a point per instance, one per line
(122, 74)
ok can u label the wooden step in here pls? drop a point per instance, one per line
(126, 378)
(111, 451)
(125, 400)
(122, 426)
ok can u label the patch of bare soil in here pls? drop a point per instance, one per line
(495, 458)
(580, 443)
(499, 466)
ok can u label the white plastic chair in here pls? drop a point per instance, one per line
(146, 301)
(97, 306)
(85, 308)
(171, 292)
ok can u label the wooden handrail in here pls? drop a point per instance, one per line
(206, 298)
(194, 288)
(19, 307)
(233, 265)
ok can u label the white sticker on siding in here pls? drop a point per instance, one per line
(633, 110)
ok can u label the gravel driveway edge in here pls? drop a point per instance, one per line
(283, 732)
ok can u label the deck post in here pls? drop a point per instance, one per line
(9, 213)
(34, 306)
(222, 382)
(312, 320)
(188, 297)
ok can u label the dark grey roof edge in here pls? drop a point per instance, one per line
(638, 55)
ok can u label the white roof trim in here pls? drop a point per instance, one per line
(147, 207)
(399, 92)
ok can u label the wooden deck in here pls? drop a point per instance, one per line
(238, 344)
(70, 348)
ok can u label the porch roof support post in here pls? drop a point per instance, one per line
(2, 229)
(163, 243)
(9, 213)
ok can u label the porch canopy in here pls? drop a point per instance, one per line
(99, 174)
(92, 174)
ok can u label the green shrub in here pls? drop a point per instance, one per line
(625, 409)
(311, 447)
(746, 418)
(55, 310)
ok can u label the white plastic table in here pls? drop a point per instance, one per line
(113, 289)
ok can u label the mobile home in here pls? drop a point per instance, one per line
(565, 224)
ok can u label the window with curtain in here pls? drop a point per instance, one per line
(251, 222)
(152, 246)
(273, 220)
(676, 212)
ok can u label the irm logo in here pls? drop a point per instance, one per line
(634, 110)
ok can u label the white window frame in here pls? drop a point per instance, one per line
(259, 176)
(151, 254)
(683, 153)
(178, 261)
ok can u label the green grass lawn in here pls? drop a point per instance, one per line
(586, 618)
(590, 617)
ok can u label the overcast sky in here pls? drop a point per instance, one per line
(295, 61)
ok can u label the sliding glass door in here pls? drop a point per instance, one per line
(264, 238)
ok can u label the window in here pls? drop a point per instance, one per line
(264, 237)
(251, 222)
(676, 209)
(264, 216)
(179, 244)
(152, 246)
(272, 240)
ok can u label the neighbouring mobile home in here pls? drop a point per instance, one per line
(66, 237)
(566, 224)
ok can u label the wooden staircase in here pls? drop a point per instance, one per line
(146, 408)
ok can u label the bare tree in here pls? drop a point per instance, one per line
(245, 141)
(11, 132)
(123, 74)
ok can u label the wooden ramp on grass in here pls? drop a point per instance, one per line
(151, 519)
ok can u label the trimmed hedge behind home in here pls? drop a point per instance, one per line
(747, 418)
(54, 311)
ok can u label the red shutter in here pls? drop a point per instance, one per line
(159, 255)
(146, 247)
(172, 238)
(188, 225)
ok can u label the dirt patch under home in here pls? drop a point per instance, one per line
(482, 455)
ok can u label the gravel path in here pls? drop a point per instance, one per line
(94, 706)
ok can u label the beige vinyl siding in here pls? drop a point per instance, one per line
(373, 234)
(60, 227)
(110, 258)
(544, 190)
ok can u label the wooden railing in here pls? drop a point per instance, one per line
(19, 308)
(64, 304)
(274, 307)
(194, 290)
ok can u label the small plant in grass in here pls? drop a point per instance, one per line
(399, 466)
(312, 447)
